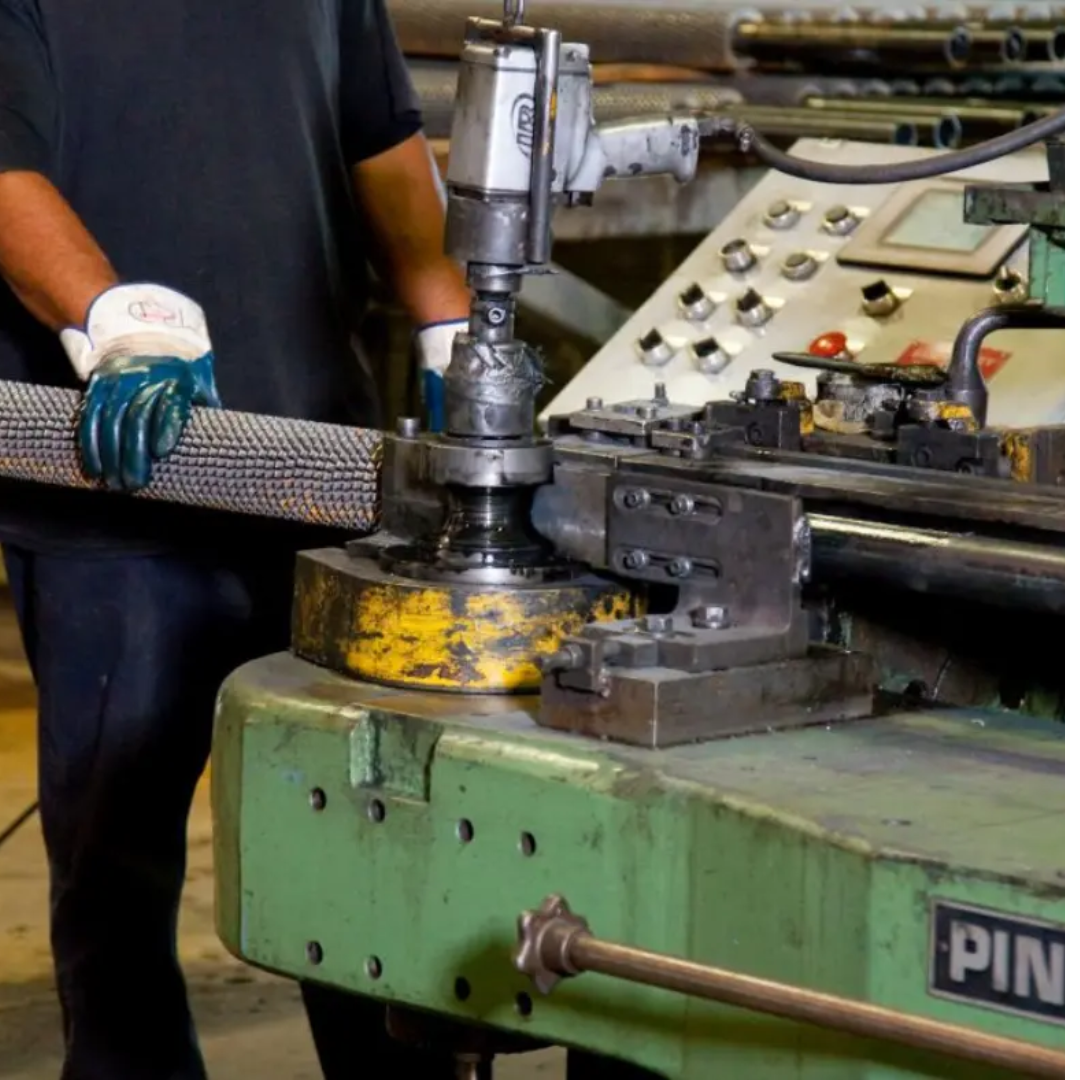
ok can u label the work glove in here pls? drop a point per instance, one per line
(435, 344)
(146, 357)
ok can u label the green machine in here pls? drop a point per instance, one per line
(699, 739)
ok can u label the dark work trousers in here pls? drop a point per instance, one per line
(128, 654)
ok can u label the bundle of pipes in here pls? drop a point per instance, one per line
(712, 35)
(436, 85)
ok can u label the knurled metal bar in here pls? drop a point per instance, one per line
(291, 470)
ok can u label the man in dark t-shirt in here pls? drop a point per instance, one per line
(190, 192)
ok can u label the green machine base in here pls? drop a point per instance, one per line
(385, 842)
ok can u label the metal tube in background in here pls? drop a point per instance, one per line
(555, 943)
(1006, 573)
(977, 121)
(796, 123)
(291, 470)
(686, 33)
(1045, 41)
(769, 42)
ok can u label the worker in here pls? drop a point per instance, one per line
(190, 194)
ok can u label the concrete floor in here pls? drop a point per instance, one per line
(251, 1024)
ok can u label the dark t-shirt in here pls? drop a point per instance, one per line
(206, 144)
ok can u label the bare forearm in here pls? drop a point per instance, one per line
(398, 194)
(47, 256)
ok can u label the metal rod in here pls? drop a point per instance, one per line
(783, 41)
(978, 121)
(780, 122)
(1006, 573)
(554, 943)
(543, 155)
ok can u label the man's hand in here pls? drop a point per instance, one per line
(147, 358)
(435, 344)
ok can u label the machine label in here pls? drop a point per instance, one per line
(998, 961)
(523, 117)
(991, 361)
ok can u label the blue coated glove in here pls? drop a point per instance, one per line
(147, 360)
(435, 343)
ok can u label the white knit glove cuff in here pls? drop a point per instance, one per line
(436, 343)
(137, 320)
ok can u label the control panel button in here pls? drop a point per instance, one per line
(695, 304)
(654, 350)
(799, 266)
(737, 256)
(839, 221)
(879, 300)
(830, 346)
(710, 356)
(751, 309)
(781, 215)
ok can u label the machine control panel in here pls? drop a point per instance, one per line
(876, 273)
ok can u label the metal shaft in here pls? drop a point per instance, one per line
(781, 42)
(940, 563)
(977, 121)
(554, 943)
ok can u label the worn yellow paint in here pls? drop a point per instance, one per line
(957, 412)
(478, 640)
(1017, 445)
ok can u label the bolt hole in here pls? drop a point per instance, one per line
(373, 967)
(314, 952)
(462, 989)
(916, 691)
(524, 1004)
(317, 799)
(527, 844)
(465, 831)
(376, 811)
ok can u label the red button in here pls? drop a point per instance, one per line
(829, 346)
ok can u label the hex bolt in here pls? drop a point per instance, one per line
(680, 567)
(763, 385)
(647, 412)
(408, 427)
(660, 392)
(710, 617)
(682, 505)
(657, 624)
(594, 403)
(568, 658)
(636, 560)
(635, 498)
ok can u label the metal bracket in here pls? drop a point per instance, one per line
(733, 656)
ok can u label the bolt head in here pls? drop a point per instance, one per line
(710, 617)
(408, 427)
